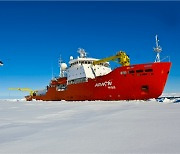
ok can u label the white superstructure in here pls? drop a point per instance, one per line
(81, 69)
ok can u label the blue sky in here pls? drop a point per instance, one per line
(34, 34)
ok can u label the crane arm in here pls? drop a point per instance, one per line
(120, 57)
(24, 89)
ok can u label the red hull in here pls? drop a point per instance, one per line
(135, 82)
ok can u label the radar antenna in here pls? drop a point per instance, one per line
(82, 53)
(157, 49)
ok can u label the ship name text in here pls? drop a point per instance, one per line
(104, 84)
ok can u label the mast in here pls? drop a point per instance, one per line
(60, 71)
(157, 49)
(63, 67)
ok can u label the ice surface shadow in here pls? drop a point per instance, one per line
(17, 131)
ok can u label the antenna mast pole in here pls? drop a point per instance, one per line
(60, 62)
(157, 49)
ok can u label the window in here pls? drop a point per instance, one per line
(139, 71)
(75, 81)
(145, 88)
(123, 72)
(106, 65)
(131, 71)
(149, 70)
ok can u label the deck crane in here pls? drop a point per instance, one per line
(120, 58)
(32, 92)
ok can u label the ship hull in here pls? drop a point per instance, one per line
(135, 82)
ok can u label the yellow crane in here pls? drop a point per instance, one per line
(120, 58)
(32, 92)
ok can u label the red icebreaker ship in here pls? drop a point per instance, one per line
(92, 79)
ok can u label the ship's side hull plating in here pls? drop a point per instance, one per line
(136, 82)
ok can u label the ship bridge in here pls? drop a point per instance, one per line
(82, 68)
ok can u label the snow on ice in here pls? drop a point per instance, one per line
(151, 126)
